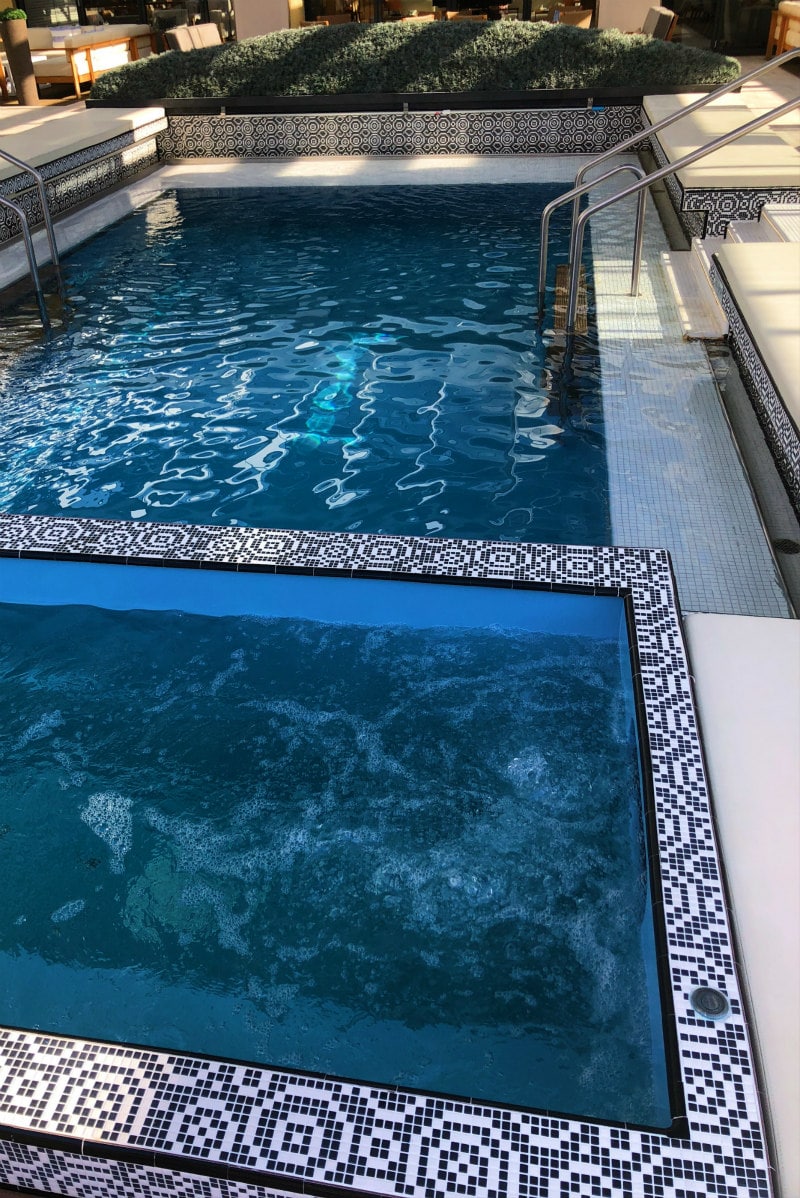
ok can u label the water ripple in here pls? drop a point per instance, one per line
(349, 360)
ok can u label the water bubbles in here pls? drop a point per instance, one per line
(109, 815)
(68, 911)
(528, 769)
(44, 726)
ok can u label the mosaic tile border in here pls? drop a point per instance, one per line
(780, 431)
(93, 1117)
(81, 176)
(707, 212)
(286, 135)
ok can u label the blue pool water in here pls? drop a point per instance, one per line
(380, 830)
(341, 359)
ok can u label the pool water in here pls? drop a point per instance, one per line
(333, 358)
(333, 846)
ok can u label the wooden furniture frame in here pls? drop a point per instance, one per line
(88, 74)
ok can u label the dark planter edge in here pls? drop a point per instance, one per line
(601, 97)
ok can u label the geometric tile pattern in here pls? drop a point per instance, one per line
(779, 428)
(282, 135)
(87, 1118)
(707, 212)
(78, 177)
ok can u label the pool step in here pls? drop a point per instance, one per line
(777, 222)
(562, 292)
(699, 312)
(783, 220)
(749, 231)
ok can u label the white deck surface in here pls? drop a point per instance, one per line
(747, 680)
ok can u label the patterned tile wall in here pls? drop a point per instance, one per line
(80, 176)
(779, 428)
(86, 1118)
(707, 212)
(520, 131)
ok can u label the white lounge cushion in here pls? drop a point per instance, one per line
(658, 107)
(106, 33)
(43, 135)
(40, 39)
(764, 158)
(207, 34)
(764, 280)
(759, 160)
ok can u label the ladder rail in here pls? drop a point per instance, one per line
(29, 250)
(48, 221)
(642, 184)
(576, 193)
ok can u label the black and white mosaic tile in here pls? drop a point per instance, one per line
(83, 1117)
(707, 212)
(779, 428)
(81, 176)
(284, 135)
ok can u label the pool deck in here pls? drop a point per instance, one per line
(747, 687)
(745, 659)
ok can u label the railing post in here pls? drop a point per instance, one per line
(717, 143)
(29, 250)
(577, 192)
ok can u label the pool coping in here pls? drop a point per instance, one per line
(74, 1110)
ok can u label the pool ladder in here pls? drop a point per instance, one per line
(640, 185)
(27, 237)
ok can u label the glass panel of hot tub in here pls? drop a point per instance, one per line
(368, 828)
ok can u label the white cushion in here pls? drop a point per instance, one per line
(41, 135)
(106, 33)
(764, 279)
(40, 39)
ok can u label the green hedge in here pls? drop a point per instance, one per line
(436, 56)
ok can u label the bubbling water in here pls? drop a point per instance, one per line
(411, 855)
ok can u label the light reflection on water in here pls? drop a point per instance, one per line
(345, 359)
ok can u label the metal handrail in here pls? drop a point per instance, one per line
(576, 193)
(632, 189)
(48, 223)
(29, 250)
(643, 134)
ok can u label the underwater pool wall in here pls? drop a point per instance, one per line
(82, 1117)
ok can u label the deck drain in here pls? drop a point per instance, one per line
(709, 1003)
(784, 545)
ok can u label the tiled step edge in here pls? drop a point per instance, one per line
(699, 312)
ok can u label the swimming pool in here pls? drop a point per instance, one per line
(157, 1116)
(344, 359)
(79, 1112)
(299, 821)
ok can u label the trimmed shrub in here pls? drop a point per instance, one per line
(436, 56)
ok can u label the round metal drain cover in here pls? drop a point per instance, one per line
(709, 1003)
(785, 545)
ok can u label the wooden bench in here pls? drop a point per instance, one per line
(87, 55)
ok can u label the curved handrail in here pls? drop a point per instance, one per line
(575, 194)
(643, 134)
(29, 250)
(48, 223)
(632, 189)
